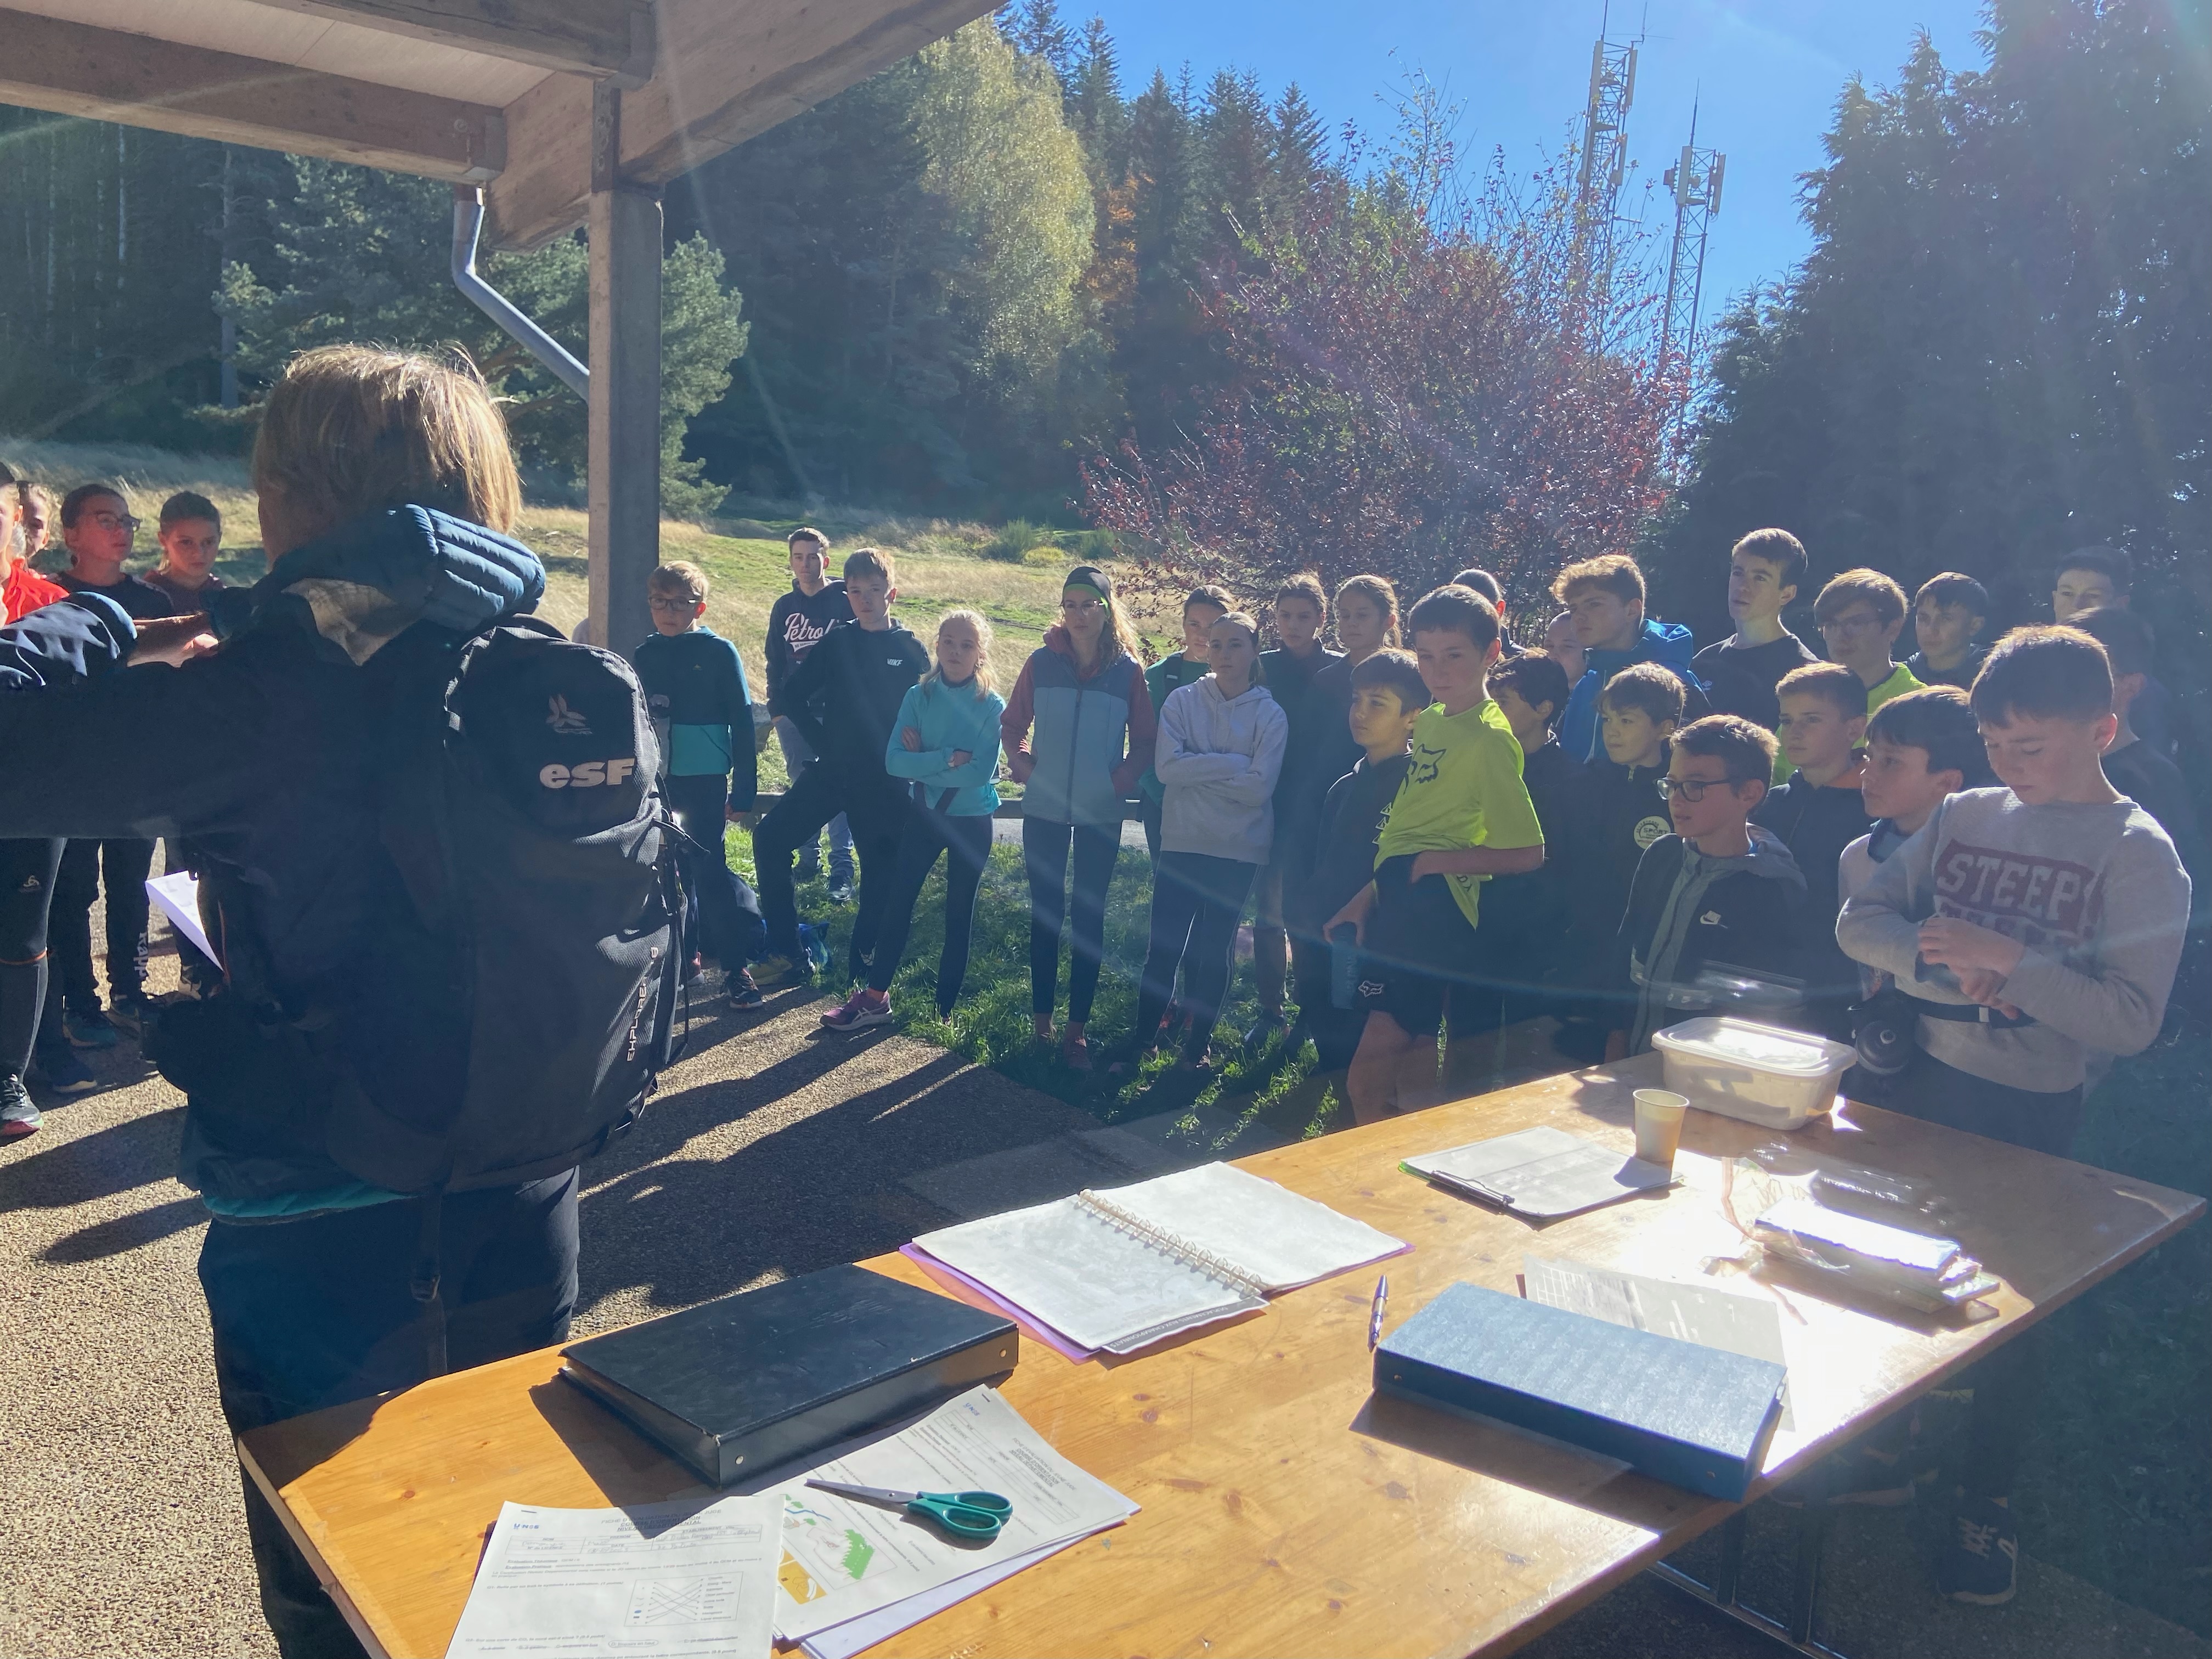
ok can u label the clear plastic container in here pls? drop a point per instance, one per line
(1764, 1074)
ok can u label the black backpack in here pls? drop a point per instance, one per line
(515, 995)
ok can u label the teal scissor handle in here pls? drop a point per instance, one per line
(967, 1514)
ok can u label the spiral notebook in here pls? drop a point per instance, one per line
(1129, 1267)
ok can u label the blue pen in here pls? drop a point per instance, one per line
(1375, 1318)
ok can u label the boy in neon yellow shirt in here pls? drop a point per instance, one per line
(1462, 816)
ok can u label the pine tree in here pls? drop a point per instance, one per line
(1095, 107)
(1037, 31)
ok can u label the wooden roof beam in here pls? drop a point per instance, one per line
(595, 38)
(73, 69)
(725, 72)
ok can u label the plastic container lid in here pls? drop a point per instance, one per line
(1763, 1048)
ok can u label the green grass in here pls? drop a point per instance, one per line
(990, 1025)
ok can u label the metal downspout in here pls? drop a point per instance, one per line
(468, 223)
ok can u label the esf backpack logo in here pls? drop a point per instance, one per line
(587, 774)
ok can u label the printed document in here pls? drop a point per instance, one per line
(1541, 1173)
(843, 1558)
(692, 1579)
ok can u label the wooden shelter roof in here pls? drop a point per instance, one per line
(496, 92)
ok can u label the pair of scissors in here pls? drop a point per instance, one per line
(962, 1513)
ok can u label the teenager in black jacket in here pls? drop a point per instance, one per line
(844, 700)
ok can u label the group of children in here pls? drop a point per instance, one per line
(49, 998)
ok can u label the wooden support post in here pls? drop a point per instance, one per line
(622, 453)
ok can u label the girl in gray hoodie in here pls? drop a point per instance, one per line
(1219, 754)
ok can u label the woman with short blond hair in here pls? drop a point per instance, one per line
(386, 486)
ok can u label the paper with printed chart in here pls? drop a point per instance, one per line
(843, 1558)
(690, 1579)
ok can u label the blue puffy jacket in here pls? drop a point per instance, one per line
(1668, 644)
(259, 754)
(1077, 746)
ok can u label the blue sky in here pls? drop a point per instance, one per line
(1766, 74)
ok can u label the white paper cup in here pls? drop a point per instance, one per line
(1659, 1125)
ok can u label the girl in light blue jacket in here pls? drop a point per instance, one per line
(946, 746)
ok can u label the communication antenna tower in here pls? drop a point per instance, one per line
(1605, 149)
(1695, 179)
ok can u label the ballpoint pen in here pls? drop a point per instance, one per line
(1375, 1318)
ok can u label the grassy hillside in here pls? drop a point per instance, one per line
(941, 565)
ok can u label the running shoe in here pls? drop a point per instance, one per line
(89, 1028)
(1980, 1562)
(18, 1116)
(860, 1009)
(742, 991)
(61, 1071)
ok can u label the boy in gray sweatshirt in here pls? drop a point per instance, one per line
(2031, 923)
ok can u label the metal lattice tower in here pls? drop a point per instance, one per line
(1695, 180)
(1605, 153)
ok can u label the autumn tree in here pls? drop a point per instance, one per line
(1421, 381)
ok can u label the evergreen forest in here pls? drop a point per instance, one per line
(1013, 276)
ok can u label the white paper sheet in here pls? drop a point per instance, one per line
(843, 1558)
(1267, 1231)
(1542, 1172)
(1095, 1284)
(859, 1635)
(1703, 1314)
(661, 1579)
(177, 895)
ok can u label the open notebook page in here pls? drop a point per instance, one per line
(1268, 1233)
(1093, 1281)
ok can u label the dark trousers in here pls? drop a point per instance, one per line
(968, 843)
(122, 866)
(2009, 1385)
(1196, 900)
(26, 891)
(311, 1313)
(1046, 847)
(878, 812)
(726, 930)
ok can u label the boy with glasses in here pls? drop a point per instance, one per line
(1861, 614)
(1718, 893)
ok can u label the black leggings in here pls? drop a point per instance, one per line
(926, 834)
(878, 812)
(120, 866)
(1045, 849)
(26, 891)
(1196, 900)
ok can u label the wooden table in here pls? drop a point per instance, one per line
(1286, 1509)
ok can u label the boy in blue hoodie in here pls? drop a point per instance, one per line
(695, 687)
(1605, 598)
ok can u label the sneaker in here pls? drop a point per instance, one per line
(1979, 1563)
(1267, 1028)
(815, 948)
(743, 991)
(89, 1029)
(18, 1116)
(62, 1071)
(862, 1009)
(1856, 1475)
(778, 971)
(130, 1011)
(694, 968)
(841, 890)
